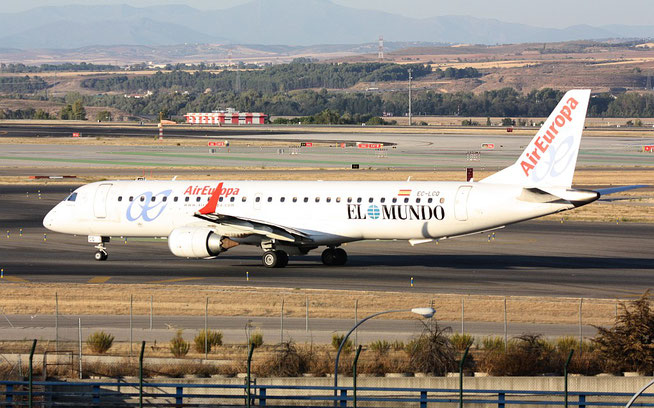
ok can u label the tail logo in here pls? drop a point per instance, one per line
(543, 143)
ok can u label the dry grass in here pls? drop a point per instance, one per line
(33, 298)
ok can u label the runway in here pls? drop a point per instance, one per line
(533, 258)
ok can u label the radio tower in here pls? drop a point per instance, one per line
(380, 53)
(229, 58)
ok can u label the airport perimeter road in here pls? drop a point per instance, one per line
(20, 327)
(532, 258)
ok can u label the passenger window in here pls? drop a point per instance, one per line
(175, 199)
(370, 200)
(220, 199)
(349, 199)
(257, 199)
(317, 199)
(142, 198)
(338, 199)
(329, 199)
(295, 199)
(417, 201)
(306, 199)
(165, 199)
(131, 198)
(429, 200)
(383, 200)
(282, 199)
(187, 199)
(231, 200)
(359, 200)
(120, 198)
(394, 199)
(269, 199)
(406, 200)
(198, 199)
(153, 198)
(244, 199)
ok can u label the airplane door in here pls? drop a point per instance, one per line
(257, 201)
(461, 203)
(100, 201)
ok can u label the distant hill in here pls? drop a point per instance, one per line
(290, 22)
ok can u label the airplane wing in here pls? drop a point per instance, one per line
(231, 225)
(613, 190)
(240, 226)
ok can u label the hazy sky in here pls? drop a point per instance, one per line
(550, 13)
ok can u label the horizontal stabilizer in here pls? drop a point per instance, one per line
(613, 190)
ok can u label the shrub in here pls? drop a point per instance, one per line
(337, 339)
(381, 347)
(256, 339)
(286, 361)
(432, 352)
(214, 339)
(491, 343)
(398, 345)
(528, 354)
(461, 341)
(178, 346)
(629, 344)
(100, 342)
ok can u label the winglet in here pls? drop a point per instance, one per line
(210, 208)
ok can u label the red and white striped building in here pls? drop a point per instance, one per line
(226, 118)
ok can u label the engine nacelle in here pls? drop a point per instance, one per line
(193, 242)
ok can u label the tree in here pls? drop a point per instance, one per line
(508, 122)
(103, 116)
(66, 113)
(629, 344)
(78, 111)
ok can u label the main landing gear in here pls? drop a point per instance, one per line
(274, 259)
(334, 256)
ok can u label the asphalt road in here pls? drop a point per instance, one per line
(532, 258)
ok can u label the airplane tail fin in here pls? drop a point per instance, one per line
(550, 158)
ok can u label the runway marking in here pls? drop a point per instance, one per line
(175, 280)
(99, 279)
(15, 279)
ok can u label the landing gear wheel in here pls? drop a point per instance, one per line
(101, 256)
(274, 259)
(334, 256)
(340, 256)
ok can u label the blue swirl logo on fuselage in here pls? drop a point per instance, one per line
(374, 212)
(148, 206)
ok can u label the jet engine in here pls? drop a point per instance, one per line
(194, 242)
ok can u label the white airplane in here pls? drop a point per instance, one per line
(202, 219)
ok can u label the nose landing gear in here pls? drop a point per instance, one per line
(102, 254)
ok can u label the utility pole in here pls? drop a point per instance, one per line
(410, 78)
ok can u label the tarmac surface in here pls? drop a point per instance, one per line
(532, 258)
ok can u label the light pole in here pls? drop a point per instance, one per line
(425, 312)
(410, 78)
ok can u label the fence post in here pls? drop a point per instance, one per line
(343, 398)
(463, 359)
(179, 396)
(262, 396)
(151, 310)
(56, 322)
(582, 401)
(565, 375)
(501, 400)
(79, 322)
(463, 311)
(354, 377)
(581, 332)
(96, 395)
(506, 329)
(306, 315)
(249, 379)
(9, 394)
(131, 302)
(206, 334)
(31, 397)
(141, 374)
(423, 399)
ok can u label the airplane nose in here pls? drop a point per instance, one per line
(49, 219)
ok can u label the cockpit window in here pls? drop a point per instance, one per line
(72, 197)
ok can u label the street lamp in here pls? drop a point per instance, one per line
(425, 312)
